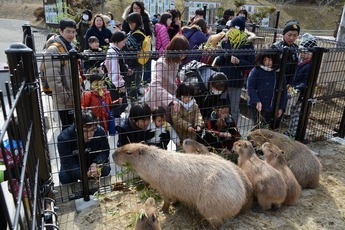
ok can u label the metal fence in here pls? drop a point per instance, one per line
(322, 115)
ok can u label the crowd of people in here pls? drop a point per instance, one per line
(171, 108)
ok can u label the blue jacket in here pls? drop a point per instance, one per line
(232, 71)
(195, 37)
(300, 79)
(69, 154)
(262, 87)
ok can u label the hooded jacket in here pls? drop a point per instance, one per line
(58, 75)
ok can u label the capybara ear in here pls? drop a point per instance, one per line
(142, 142)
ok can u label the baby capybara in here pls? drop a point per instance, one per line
(268, 183)
(147, 219)
(274, 157)
(302, 162)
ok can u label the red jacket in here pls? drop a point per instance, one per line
(91, 100)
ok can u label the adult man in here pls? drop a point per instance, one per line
(57, 71)
(97, 146)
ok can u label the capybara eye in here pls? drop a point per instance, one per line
(128, 153)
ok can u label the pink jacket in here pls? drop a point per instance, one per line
(162, 37)
(163, 86)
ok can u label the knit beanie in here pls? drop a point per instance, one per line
(291, 25)
(238, 22)
(308, 41)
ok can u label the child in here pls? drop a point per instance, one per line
(94, 56)
(216, 85)
(118, 72)
(221, 131)
(188, 120)
(98, 99)
(300, 80)
(262, 85)
(164, 132)
(134, 129)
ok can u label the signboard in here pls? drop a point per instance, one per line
(193, 6)
(53, 9)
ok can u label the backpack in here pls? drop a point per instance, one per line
(44, 83)
(144, 53)
(197, 74)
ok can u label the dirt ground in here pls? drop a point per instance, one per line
(321, 208)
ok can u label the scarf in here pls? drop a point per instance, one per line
(68, 45)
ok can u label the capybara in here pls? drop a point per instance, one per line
(302, 162)
(274, 157)
(268, 183)
(147, 218)
(194, 147)
(209, 183)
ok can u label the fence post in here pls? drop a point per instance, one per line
(78, 121)
(276, 27)
(280, 85)
(341, 132)
(307, 100)
(19, 54)
(28, 38)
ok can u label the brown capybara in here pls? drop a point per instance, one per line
(274, 157)
(268, 183)
(194, 147)
(209, 183)
(302, 162)
(147, 218)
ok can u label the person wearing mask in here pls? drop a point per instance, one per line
(83, 25)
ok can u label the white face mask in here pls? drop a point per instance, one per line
(216, 92)
(85, 17)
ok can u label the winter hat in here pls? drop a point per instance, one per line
(308, 41)
(88, 12)
(238, 22)
(291, 25)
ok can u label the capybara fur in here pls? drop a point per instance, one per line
(209, 183)
(302, 162)
(268, 183)
(194, 147)
(274, 157)
(147, 218)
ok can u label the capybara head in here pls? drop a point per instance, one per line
(273, 153)
(259, 136)
(192, 146)
(147, 218)
(129, 153)
(243, 148)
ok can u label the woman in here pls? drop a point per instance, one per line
(162, 36)
(163, 85)
(99, 30)
(175, 27)
(139, 8)
(134, 43)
